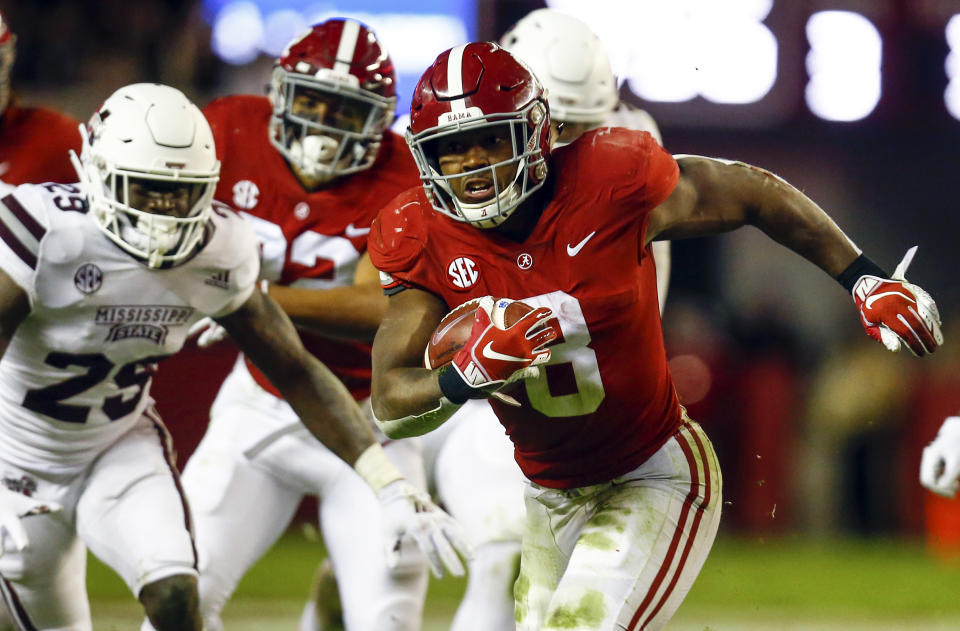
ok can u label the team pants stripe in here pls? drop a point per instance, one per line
(171, 459)
(17, 612)
(692, 513)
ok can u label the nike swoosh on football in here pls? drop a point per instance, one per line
(489, 353)
(575, 250)
(351, 231)
(872, 299)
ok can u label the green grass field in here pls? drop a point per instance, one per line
(786, 584)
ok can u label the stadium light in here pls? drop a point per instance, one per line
(951, 96)
(672, 52)
(844, 62)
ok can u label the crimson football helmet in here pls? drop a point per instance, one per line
(8, 52)
(341, 64)
(475, 86)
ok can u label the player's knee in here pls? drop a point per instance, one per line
(172, 603)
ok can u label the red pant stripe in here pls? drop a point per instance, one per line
(690, 503)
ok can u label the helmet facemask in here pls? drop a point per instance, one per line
(526, 166)
(326, 126)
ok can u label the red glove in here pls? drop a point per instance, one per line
(493, 357)
(894, 311)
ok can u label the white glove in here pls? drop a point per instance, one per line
(940, 465)
(408, 512)
(210, 332)
(13, 507)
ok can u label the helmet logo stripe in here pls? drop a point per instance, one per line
(455, 78)
(348, 44)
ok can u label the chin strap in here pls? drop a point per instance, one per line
(419, 424)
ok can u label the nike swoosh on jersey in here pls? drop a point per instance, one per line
(872, 299)
(489, 353)
(575, 250)
(4, 167)
(351, 231)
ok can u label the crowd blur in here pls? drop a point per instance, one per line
(818, 428)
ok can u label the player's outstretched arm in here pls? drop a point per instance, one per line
(266, 335)
(714, 196)
(351, 312)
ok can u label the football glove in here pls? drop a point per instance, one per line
(408, 512)
(13, 507)
(896, 312)
(209, 332)
(493, 357)
(940, 465)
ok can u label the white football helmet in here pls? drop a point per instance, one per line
(153, 136)
(8, 52)
(570, 62)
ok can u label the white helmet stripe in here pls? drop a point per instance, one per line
(455, 78)
(348, 44)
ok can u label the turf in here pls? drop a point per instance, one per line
(789, 584)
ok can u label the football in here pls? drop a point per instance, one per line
(454, 329)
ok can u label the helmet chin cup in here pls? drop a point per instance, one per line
(315, 155)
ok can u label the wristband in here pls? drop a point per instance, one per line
(455, 388)
(375, 468)
(861, 266)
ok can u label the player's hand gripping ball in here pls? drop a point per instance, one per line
(492, 343)
(455, 327)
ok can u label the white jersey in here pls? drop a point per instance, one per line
(630, 117)
(77, 372)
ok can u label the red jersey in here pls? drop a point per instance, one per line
(310, 240)
(35, 145)
(605, 402)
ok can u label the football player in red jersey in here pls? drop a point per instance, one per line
(308, 167)
(35, 142)
(624, 491)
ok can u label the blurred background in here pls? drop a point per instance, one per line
(855, 102)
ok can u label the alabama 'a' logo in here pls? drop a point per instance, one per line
(463, 272)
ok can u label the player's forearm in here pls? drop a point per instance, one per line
(795, 221)
(342, 312)
(408, 402)
(325, 407)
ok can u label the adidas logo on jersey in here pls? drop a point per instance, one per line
(220, 279)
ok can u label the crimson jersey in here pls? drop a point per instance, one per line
(311, 240)
(605, 402)
(34, 145)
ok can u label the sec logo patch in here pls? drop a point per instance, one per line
(245, 194)
(463, 272)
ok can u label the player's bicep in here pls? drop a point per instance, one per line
(366, 274)
(711, 196)
(411, 316)
(14, 308)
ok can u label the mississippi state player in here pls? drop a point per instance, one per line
(98, 282)
(308, 168)
(624, 492)
(35, 142)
